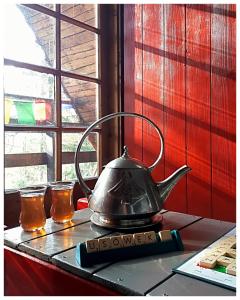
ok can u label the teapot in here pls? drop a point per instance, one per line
(125, 195)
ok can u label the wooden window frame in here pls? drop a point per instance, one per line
(108, 81)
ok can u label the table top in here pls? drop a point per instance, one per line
(151, 275)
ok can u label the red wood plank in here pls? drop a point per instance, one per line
(153, 80)
(133, 78)
(174, 101)
(198, 33)
(223, 112)
(28, 276)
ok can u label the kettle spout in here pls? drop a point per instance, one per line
(166, 185)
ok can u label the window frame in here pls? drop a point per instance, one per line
(107, 80)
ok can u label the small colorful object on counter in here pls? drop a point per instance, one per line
(127, 246)
(82, 203)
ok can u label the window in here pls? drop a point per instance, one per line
(51, 91)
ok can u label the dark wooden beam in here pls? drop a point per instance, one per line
(47, 128)
(33, 159)
(58, 106)
(68, 157)
(47, 70)
(25, 159)
(109, 74)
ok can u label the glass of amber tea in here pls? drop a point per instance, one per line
(62, 209)
(32, 216)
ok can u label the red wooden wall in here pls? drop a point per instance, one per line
(179, 70)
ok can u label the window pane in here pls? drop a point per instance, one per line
(29, 97)
(79, 50)
(79, 102)
(89, 170)
(28, 142)
(88, 159)
(29, 158)
(86, 13)
(30, 37)
(29, 176)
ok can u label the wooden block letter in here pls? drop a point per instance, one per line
(116, 242)
(139, 238)
(218, 251)
(208, 262)
(231, 238)
(165, 235)
(104, 244)
(92, 246)
(224, 261)
(214, 253)
(231, 269)
(228, 243)
(127, 240)
(231, 253)
(150, 237)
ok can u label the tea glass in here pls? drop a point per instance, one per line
(32, 216)
(62, 209)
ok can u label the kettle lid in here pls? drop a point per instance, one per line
(126, 162)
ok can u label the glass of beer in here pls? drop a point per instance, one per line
(32, 216)
(62, 209)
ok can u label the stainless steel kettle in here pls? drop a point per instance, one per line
(125, 195)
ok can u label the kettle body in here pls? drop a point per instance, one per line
(125, 195)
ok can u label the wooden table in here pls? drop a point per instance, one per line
(45, 262)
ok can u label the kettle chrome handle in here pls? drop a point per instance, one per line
(83, 185)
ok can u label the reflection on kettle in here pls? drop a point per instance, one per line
(125, 195)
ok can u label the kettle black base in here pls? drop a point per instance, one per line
(126, 224)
